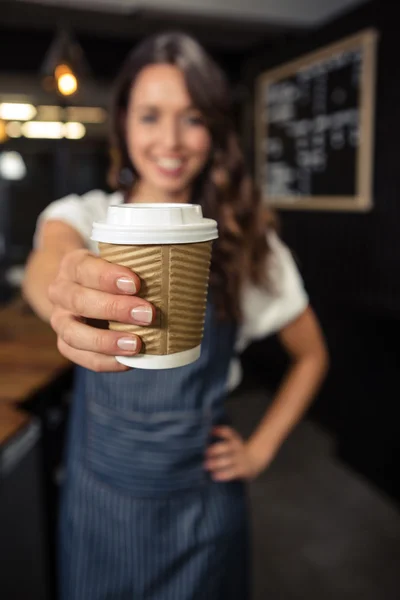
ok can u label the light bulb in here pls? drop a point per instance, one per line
(12, 166)
(67, 84)
(74, 131)
(14, 129)
(14, 111)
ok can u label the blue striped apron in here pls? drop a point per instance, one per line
(140, 517)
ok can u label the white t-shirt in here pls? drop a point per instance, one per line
(264, 312)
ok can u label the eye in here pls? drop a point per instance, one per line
(195, 120)
(148, 118)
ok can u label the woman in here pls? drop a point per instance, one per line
(172, 131)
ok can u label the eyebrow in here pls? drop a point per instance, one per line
(155, 107)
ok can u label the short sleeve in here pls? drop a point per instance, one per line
(265, 312)
(77, 211)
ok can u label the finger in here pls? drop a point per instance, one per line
(226, 475)
(100, 363)
(225, 432)
(94, 272)
(219, 449)
(94, 304)
(220, 463)
(84, 337)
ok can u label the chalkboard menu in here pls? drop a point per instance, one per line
(314, 128)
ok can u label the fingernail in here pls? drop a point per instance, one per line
(129, 344)
(125, 284)
(142, 314)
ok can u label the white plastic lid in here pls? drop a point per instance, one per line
(154, 224)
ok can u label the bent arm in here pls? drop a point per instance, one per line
(304, 342)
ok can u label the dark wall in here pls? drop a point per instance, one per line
(104, 55)
(351, 266)
(55, 168)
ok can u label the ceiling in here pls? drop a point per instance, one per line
(106, 29)
(288, 12)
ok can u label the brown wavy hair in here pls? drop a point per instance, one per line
(224, 188)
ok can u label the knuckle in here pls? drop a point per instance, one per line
(104, 276)
(78, 270)
(79, 261)
(67, 335)
(98, 342)
(52, 292)
(54, 320)
(67, 261)
(71, 261)
(114, 309)
(77, 302)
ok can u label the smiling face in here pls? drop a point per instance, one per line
(167, 139)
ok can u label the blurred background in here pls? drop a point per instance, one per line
(325, 516)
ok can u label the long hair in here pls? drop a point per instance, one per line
(224, 188)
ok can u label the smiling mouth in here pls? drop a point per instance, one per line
(170, 164)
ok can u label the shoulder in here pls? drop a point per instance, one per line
(93, 204)
(78, 211)
(268, 310)
(283, 270)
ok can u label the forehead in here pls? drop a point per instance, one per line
(160, 85)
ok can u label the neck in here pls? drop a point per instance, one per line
(142, 192)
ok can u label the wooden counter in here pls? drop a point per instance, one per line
(29, 360)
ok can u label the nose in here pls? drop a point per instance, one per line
(171, 134)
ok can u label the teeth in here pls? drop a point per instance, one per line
(169, 163)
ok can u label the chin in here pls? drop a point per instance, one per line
(173, 188)
(175, 195)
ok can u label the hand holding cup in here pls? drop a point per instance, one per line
(90, 288)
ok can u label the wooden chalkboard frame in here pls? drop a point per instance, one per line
(362, 201)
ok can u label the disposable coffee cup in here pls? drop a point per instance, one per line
(169, 247)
